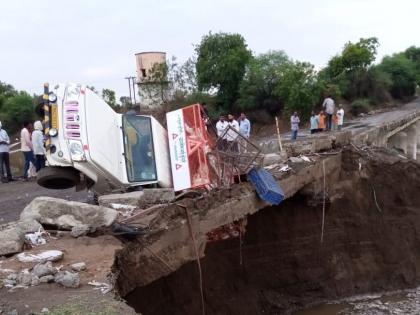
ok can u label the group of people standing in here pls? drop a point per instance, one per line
(31, 145)
(328, 119)
(241, 126)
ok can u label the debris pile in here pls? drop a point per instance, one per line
(43, 271)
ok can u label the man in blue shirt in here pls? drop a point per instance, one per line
(244, 126)
(4, 156)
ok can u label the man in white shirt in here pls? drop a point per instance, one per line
(221, 126)
(26, 147)
(231, 135)
(244, 126)
(4, 156)
(329, 107)
(340, 117)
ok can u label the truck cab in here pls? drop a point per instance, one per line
(89, 145)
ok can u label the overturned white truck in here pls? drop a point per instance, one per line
(89, 145)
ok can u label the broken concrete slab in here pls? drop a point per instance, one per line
(68, 214)
(12, 239)
(174, 247)
(67, 279)
(139, 199)
(41, 257)
(274, 158)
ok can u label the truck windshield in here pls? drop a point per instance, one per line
(138, 146)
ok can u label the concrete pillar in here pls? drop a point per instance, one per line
(412, 141)
(398, 141)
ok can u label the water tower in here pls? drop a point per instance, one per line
(151, 83)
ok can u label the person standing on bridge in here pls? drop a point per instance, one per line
(314, 123)
(26, 148)
(294, 122)
(329, 107)
(4, 156)
(340, 116)
(321, 121)
(221, 126)
(232, 134)
(244, 126)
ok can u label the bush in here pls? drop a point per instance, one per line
(402, 74)
(16, 110)
(360, 106)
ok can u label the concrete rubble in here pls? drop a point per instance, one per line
(139, 199)
(67, 279)
(41, 270)
(68, 214)
(274, 158)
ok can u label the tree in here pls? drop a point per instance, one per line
(259, 88)
(221, 63)
(125, 101)
(274, 82)
(6, 91)
(109, 97)
(402, 73)
(413, 53)
(299, 88)
(349, 69)
(16, 110)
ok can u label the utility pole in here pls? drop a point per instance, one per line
(134, 89)
(129, 87)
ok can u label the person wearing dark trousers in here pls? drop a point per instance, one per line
(329, 107)
(26, 148)
(38, 145)
(294, 122)
(4, 156)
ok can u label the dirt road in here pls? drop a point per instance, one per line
(14, 196)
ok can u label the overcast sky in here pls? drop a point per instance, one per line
(94, 41)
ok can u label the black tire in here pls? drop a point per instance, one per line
(58, 177)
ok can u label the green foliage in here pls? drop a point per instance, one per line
(274, 82)
(349, 70)
(413, 53)
(402, 73)
(378, 85)
(299, 88)
(221, 63)
(109, 97)
(16, 110)
(259, 88)
(6, 91)
(360, 106)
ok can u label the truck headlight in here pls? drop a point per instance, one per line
(53, 132)
(52, 97)
(76, 151)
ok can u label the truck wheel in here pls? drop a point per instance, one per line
(58, 177)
